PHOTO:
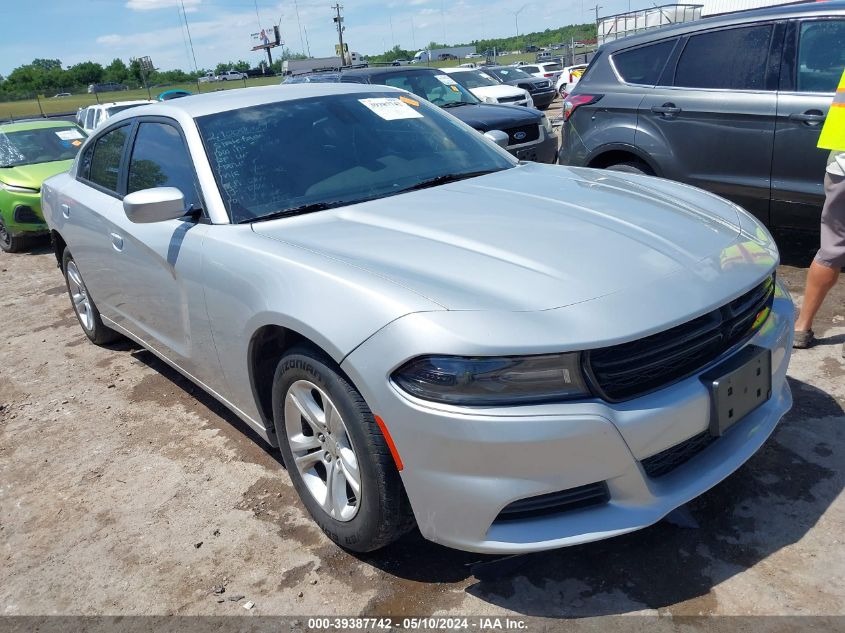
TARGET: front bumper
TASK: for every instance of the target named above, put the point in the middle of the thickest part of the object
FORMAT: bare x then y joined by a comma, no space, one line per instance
463,466
21,213
543,98
543,150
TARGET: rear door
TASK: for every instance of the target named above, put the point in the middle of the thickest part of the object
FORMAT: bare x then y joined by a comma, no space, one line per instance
814,57
710,121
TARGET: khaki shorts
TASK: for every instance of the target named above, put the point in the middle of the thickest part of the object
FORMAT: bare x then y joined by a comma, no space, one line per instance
832,251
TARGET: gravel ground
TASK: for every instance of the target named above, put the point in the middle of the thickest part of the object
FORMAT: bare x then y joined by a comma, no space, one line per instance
124,490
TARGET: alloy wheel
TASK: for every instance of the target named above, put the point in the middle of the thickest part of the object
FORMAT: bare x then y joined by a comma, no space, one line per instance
322,450
79,296
5,238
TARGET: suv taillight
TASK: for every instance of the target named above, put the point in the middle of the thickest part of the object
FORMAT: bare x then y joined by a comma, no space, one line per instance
573,102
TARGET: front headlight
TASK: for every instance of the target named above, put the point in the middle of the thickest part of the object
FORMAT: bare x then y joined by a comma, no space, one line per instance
493,380
16,189
547,125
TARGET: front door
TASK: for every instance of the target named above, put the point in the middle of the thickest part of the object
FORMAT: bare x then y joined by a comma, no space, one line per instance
814,58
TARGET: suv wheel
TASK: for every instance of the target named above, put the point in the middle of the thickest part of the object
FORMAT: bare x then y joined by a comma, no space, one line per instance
632,167
336,456
83,305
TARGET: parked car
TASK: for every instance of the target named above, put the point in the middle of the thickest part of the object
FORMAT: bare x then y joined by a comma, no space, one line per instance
95,115
525,133
231,75
400,62
541,90
107,87
732,104
60,95
427,328
444,57
546,70
568,78
30,152
208,77
489,89
543,57
473,56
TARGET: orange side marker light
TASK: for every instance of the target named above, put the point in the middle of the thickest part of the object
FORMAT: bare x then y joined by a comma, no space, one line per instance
390,444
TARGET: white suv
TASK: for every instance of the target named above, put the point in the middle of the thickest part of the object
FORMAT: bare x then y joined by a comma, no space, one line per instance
92,116
231,75
488,89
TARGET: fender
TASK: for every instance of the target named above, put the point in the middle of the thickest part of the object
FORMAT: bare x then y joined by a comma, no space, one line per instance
627,148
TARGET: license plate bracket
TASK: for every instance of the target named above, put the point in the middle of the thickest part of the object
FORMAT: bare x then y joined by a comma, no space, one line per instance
738,386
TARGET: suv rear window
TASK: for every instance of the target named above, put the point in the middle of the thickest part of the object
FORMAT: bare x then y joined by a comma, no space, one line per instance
643,65
731,58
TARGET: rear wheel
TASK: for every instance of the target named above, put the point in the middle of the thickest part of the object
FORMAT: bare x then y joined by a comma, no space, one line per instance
83,305
10,243
336,456
632,167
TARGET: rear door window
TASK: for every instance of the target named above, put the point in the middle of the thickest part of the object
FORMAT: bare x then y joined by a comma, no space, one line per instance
643,65
105,162
821,55
733,59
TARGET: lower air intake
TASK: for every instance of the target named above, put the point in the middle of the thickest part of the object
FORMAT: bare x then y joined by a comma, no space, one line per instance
556,502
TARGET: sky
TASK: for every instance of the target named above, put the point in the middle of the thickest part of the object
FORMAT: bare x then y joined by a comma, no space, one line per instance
100,30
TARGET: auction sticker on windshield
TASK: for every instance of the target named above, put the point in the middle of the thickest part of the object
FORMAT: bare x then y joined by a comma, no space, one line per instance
69,135
391,109
446,79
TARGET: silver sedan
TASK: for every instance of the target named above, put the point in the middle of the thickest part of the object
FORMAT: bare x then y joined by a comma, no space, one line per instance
513,357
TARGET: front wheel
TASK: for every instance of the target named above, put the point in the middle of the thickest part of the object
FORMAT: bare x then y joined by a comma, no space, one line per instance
10,243
632,167
336,456
83,305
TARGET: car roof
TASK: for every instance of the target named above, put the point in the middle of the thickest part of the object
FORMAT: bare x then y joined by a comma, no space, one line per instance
807,9
226,100
390,69
33,124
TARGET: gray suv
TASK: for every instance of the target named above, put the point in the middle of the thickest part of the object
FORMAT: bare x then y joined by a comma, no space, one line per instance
732,104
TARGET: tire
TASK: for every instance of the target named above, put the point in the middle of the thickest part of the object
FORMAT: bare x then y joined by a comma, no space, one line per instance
632,167
351,446
83,305
11,243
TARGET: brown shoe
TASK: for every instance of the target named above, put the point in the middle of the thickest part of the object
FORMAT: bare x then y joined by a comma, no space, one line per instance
803,339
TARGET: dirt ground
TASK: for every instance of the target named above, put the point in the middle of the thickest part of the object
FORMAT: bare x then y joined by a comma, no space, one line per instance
124,490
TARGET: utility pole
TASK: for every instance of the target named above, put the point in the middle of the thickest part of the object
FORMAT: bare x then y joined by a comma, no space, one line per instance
596,9
339,21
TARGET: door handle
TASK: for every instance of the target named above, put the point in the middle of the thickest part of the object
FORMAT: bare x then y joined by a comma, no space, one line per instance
66,211
812,118
117,241
667,109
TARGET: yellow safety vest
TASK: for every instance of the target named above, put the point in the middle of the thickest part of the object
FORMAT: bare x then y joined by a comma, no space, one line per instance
833,132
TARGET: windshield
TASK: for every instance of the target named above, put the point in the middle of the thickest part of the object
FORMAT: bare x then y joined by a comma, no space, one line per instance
441,90
309,154
39,145
507,74
474,79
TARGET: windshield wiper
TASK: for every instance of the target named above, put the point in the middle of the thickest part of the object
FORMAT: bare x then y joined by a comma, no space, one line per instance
446,178
455,104
300,210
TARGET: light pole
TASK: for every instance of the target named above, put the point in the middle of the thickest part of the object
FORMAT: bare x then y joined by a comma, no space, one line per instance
516,17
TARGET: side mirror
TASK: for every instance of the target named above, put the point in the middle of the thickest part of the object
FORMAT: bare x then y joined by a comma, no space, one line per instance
498,137
154,205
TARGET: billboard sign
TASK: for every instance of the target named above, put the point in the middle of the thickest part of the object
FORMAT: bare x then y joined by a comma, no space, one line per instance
265,38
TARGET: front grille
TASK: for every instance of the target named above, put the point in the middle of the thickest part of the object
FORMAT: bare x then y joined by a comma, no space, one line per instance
530,132
542,85
666,461
26,215
631,369
511,99
556,502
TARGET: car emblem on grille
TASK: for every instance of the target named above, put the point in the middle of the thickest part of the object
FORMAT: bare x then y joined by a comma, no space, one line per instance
520,135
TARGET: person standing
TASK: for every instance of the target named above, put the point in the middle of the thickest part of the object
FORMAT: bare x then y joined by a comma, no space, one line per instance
830,258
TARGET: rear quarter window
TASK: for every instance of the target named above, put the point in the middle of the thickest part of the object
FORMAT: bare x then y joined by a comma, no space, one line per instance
732,59
644,64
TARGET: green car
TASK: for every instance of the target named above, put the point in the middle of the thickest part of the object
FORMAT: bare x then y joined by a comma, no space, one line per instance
30,152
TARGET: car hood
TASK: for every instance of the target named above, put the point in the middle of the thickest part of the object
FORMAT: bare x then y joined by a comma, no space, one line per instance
486,117
31,176
529,238
497,92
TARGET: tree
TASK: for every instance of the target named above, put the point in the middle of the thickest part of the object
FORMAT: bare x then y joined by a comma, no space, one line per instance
47,64
85,73
116,72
